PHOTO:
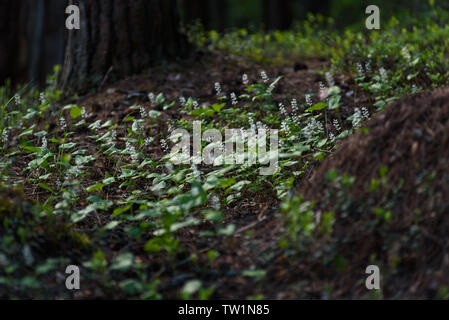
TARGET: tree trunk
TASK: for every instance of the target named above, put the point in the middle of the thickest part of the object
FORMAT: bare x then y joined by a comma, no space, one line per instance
31,39
10,31
118,38
219,15
318,7
194,10
277,14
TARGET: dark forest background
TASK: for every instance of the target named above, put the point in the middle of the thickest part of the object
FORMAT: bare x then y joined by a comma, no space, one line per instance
32,32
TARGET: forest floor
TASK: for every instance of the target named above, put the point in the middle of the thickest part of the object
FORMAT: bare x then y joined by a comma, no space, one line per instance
362,177
402,138
257,227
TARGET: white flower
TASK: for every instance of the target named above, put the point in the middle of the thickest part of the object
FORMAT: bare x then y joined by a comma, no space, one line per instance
295,105
282,109
42,98
336,125
195,104
264,76
143,112
152,97
360,70
260,125
285,128
368,66
357,118
322,87
62,123
182,100
330,79
245,80
234,99
164,145
383,74
130,149
84,113
17,99
309,100
313,128
365,113
44,142
5,135
406,54
218,88
215,202
148,141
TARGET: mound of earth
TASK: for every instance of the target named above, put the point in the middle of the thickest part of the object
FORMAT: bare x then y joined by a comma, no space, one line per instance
387,191
35,248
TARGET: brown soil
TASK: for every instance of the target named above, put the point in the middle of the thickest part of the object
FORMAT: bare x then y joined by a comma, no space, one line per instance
411,140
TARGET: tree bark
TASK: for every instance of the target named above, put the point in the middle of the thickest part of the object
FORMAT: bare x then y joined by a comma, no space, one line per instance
219,15
318,7
10,29
31,39
194,10
277,14
119,38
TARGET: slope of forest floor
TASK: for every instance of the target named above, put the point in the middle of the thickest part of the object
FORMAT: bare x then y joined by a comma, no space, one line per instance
361,178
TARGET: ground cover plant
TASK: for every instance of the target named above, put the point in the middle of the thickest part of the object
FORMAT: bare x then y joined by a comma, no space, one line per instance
87,179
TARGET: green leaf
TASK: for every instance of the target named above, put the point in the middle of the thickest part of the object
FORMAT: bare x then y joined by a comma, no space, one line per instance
254,273
40,134
380,105
120,210
160,99
96,187
108,181
239,185
69,145
154,114
334,102
317,107
75,112
111,225
333,91
190,288
26,132
107,124
80,160
203,113
228,230
46,187
188,223
217,107
123,261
